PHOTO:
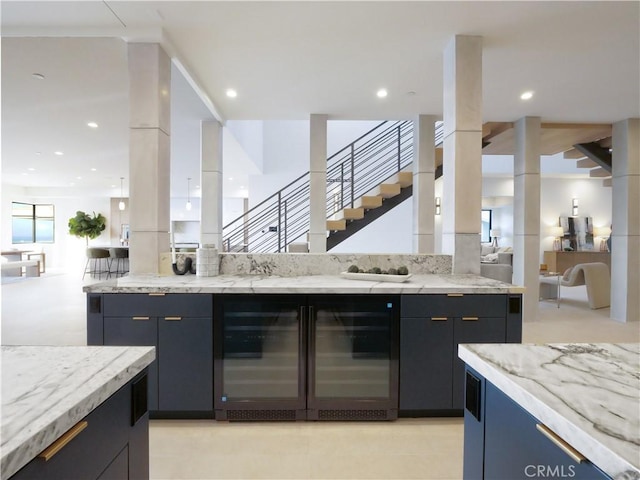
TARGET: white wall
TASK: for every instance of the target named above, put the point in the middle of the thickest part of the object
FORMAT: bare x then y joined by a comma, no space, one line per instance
249,134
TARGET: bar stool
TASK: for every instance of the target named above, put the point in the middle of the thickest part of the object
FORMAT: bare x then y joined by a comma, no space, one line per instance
100,258
121,256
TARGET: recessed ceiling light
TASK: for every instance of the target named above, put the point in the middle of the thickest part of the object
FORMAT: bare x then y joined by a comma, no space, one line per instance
59,153
79,178
113,186
381,93
526,95
93,169
31,169
92,125
38,76
38,153
411,93
231,93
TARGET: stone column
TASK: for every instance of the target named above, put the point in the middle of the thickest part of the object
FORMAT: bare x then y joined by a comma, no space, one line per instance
625,248
149,167
211,184
462,163
526,213
424,154
318,184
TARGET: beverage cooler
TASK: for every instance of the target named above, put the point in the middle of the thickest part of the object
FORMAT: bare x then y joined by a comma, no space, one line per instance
319,357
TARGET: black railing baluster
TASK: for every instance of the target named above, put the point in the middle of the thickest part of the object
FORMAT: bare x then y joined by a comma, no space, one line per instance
399,139
285,224
352,173
279,220
341,186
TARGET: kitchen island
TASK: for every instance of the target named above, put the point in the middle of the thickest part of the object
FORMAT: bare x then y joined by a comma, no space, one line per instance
97,395
552,411
304,347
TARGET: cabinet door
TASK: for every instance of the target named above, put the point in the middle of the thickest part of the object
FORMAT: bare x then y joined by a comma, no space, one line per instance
426,349
515,449
185,363
136,331
470,329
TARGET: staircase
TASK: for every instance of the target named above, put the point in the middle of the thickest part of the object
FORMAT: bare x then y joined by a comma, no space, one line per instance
595,156
365,179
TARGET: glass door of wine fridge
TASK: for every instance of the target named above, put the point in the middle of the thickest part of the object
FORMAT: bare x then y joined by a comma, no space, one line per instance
260,358
353,357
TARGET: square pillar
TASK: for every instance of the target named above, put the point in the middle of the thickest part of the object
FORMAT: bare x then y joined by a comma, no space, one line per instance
625,247
526,213
462,163
424,155
318,184
211,184
149,155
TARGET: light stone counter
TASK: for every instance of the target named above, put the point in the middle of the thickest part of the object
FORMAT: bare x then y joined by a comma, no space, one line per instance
589,394
331,284
47,390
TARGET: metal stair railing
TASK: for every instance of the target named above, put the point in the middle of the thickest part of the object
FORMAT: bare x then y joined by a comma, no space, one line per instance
353,171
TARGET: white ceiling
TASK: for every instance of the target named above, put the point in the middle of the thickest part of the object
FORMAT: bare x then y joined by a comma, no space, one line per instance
288,60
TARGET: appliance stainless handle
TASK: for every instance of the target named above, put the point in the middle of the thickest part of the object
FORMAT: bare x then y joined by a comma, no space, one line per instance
439,319
559,442
469,319
64,439
173,318
140,318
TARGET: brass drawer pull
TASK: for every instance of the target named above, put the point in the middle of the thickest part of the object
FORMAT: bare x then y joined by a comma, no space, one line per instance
455,294
158,294
560,443
469,318
438,319
173,318
48,453
140,318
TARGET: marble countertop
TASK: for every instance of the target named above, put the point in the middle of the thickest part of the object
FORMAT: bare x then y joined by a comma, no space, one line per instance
421,284
589,394
47,390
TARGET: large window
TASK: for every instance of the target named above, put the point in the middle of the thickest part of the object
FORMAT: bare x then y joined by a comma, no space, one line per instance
486,226
32,223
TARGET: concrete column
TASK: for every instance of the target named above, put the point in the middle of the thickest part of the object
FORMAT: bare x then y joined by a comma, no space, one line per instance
211,184
149,167
318,184
625,248
526,213
462,163
424,155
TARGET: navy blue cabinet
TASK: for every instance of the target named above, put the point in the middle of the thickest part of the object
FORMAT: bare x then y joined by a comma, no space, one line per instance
180,326
109,443
506,442
431,327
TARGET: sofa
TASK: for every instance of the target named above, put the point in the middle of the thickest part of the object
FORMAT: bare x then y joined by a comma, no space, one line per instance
496,263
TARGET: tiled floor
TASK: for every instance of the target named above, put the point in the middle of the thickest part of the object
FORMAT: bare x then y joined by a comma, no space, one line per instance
51,310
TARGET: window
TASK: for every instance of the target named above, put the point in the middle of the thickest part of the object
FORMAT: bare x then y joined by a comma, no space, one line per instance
486,226
32,223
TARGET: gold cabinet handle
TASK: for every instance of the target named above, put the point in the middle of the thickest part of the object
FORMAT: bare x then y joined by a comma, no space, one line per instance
560,443
439,319
173,318
455,294
49,452
157,294
140,318
469,319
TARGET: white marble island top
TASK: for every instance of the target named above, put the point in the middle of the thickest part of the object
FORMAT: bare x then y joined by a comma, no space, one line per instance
46,390
588,394
420,284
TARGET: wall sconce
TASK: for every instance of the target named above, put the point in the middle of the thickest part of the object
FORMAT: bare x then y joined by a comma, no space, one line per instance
557,233
188,197
494,233
438,208
121,205
574,207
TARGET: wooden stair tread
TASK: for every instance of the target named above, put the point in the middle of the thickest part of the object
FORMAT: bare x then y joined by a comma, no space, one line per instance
387,190
368,202
336,225
599,172
404,179
350,214
573,154
586,163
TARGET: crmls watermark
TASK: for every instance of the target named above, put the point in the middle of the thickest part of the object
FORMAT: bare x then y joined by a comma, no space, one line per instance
550,471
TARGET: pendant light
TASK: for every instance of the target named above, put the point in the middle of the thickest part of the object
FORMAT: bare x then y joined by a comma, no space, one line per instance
188,197
121,205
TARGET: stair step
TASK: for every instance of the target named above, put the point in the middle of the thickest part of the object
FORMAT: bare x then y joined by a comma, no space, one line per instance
607,182
333,225
606,142
368,202
404,179
573,154
387,190
599,172
350,214
586,163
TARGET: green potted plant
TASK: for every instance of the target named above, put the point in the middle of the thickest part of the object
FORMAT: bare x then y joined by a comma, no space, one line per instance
87,226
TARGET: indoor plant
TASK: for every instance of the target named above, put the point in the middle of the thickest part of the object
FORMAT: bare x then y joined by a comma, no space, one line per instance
85,225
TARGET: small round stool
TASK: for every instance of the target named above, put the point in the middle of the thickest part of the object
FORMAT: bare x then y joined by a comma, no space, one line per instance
100,265
121,256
